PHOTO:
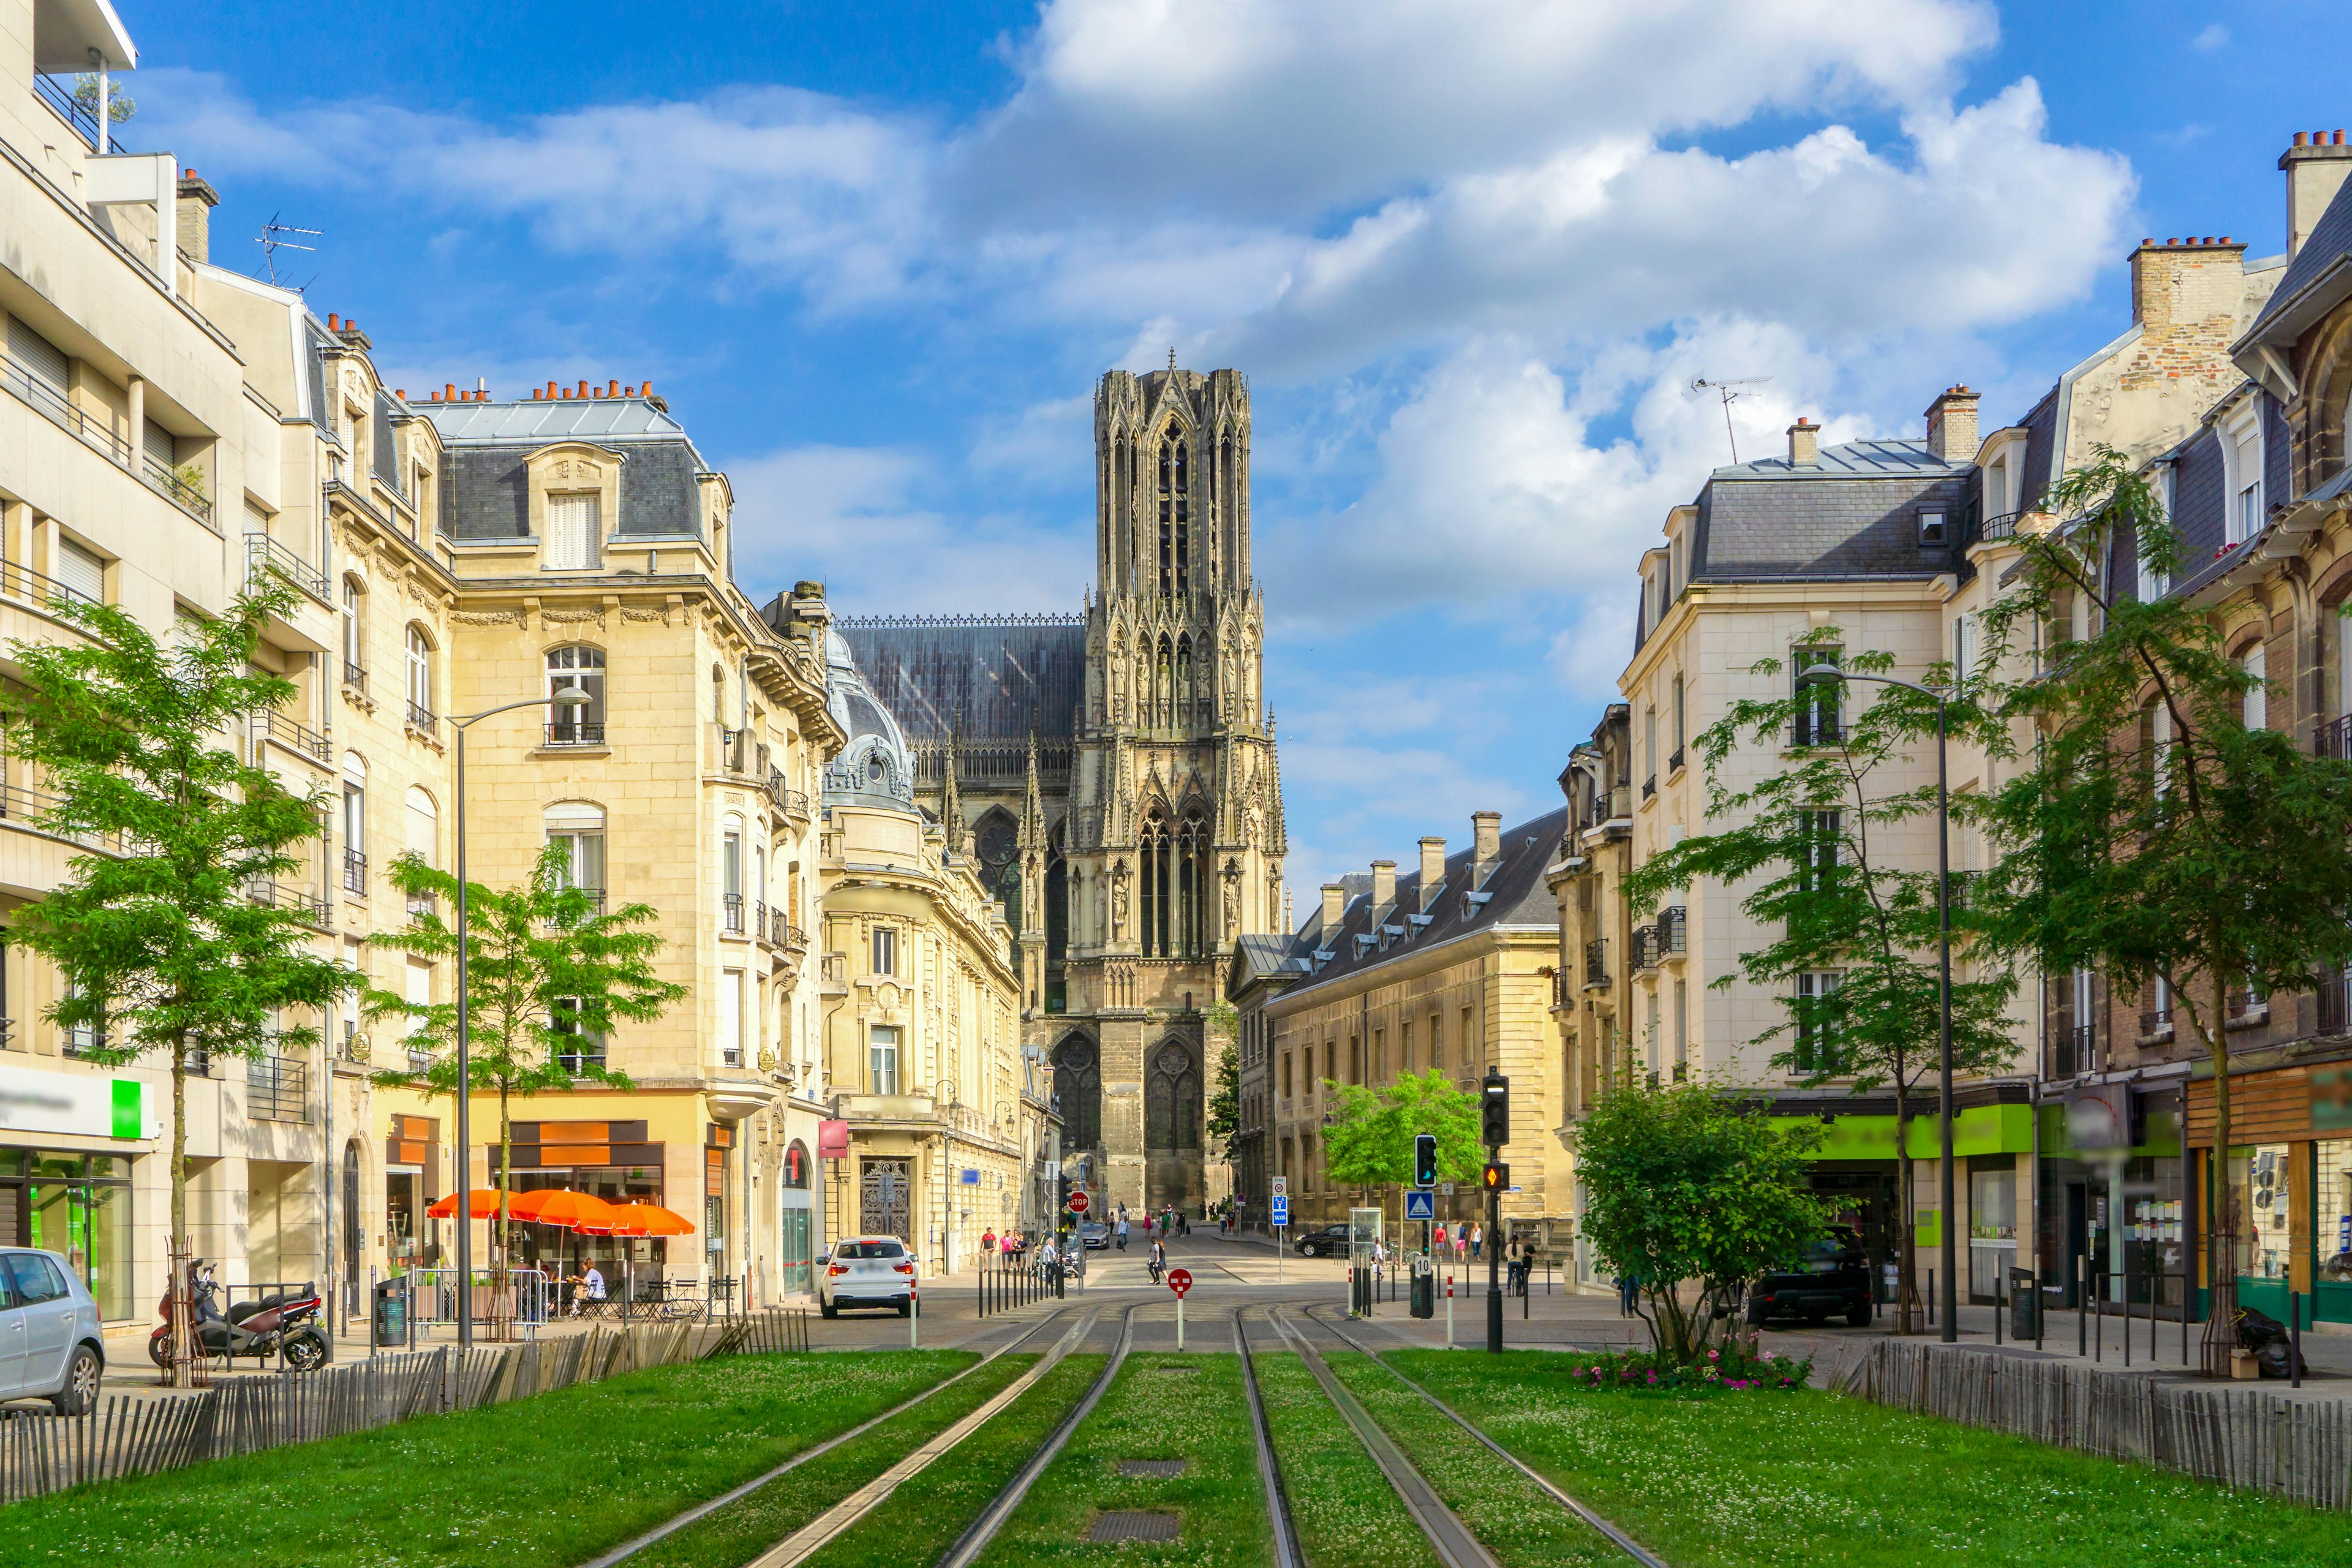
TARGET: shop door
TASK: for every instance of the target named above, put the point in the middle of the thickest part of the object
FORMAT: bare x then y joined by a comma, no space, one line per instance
882,1200
795,1239
2078,1238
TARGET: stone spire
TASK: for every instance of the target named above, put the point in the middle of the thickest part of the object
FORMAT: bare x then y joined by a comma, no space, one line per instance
1033,806
950,808
1277,838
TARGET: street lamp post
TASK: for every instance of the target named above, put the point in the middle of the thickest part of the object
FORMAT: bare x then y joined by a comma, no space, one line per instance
569,697
1947,1288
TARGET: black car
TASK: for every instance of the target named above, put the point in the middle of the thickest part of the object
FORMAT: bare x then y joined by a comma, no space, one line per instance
1833,1276
1325,1243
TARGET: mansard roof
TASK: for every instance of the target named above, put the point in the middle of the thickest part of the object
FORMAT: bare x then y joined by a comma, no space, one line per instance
2315,282
1853,514
976,679
1512,895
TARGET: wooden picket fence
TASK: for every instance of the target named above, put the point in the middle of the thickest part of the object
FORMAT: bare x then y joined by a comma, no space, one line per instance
2242,1438
126,1436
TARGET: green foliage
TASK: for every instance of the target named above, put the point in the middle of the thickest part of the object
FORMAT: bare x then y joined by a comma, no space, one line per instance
1686,1186
1733,1368
167,930
547,975
118,106
1224,1113
1369,1143
2153,834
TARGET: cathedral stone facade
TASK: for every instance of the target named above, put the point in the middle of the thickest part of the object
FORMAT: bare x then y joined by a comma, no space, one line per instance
1114,775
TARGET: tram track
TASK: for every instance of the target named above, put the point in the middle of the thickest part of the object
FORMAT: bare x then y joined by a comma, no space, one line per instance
1287,1553
702,1510
1616,1536
967,1547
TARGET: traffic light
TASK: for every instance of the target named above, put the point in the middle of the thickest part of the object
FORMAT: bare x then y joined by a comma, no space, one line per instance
1495,1178
1424,1160
1495,1111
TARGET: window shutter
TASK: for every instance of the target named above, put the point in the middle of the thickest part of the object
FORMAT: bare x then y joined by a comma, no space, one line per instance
40,359
572,528
157,441
82,571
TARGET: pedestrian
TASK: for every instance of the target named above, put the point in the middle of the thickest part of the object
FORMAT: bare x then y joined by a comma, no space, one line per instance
1121,1230
1629,1286
1477,1242
1158,1262
591,1287
1439,1241
988,1246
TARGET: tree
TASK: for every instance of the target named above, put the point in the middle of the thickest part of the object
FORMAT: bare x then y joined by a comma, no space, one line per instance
1683,1185
2157,835
1369,1143
169,932
548,976
1225,1092
1849,913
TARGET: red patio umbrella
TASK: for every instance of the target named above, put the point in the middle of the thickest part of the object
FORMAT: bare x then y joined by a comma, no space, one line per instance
482,1202
556,1205
643,1219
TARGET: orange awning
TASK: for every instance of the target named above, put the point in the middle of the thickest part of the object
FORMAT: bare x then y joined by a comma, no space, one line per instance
643,1219
555,1206
482,1202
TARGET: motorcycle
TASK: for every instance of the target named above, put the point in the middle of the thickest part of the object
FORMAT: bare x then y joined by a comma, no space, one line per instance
284,1321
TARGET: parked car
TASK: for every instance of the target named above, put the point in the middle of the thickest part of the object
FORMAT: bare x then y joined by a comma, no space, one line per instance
866,1271
50,1345
1096,1235
1832,1277
1331,1240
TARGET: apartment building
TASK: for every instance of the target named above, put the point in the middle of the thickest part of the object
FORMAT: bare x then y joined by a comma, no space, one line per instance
1893,546
941,1118
1448,967
173,429
1592,977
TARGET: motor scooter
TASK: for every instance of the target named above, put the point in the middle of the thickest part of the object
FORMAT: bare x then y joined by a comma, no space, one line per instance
284,1320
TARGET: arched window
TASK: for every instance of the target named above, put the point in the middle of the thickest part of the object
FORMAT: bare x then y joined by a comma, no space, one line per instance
579,828
1175,514
796,1164
577,668
420,676
423,826
1077,1091
1171,1098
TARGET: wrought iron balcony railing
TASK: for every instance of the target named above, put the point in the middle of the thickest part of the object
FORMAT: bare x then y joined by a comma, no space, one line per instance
1596,962
1674,926
263,554
576,732
420,717
292,733
354,871
277,1088
731,911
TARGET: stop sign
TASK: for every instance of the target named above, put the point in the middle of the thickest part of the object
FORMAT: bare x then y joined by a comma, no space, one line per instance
1077,1203
1180,1280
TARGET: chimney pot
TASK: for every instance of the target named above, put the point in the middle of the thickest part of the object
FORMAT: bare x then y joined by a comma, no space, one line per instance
613,390
401,392
1804,447
1485,844
330,321
583,389
450,390
647,390
2303,138
1433,871
1335,904
1952,425
1384,884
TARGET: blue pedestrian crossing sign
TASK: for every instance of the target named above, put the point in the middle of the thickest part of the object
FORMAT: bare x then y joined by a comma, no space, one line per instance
1420,1206
1281,1209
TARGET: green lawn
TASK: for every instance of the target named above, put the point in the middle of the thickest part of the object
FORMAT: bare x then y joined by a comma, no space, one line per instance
923,1518
1521,1526
1346,1513
745,1528
1153,1411
540,1483
1732,1480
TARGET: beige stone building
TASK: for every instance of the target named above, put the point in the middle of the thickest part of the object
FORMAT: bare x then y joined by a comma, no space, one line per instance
944,1115
1449,967
173,429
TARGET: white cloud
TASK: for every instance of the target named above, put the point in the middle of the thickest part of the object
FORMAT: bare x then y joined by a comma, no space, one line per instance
2214,37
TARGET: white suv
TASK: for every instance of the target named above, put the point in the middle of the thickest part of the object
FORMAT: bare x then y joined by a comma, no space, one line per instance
50,1344
866,1271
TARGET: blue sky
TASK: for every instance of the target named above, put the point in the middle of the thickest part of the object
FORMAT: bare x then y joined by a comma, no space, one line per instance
1470,254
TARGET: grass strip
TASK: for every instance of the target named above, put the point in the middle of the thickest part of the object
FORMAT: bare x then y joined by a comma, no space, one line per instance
1521,1526
539,1483
1156,1410
923,1519
1346,1513
1810,1478
742,1529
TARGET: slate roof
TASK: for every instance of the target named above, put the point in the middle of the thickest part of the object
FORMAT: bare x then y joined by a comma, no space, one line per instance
535,422
1514,895
486,495
1854,514
2320,274
987,677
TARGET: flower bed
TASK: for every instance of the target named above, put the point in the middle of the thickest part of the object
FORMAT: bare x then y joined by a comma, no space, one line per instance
1731,1370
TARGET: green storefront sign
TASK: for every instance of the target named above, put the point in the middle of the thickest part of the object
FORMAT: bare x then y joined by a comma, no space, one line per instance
1980,1130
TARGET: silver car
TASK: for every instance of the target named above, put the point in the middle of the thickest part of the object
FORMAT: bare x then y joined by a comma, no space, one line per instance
866,1271
50,1344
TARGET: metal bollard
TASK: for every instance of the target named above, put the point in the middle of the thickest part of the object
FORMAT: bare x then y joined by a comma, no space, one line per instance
2294,1339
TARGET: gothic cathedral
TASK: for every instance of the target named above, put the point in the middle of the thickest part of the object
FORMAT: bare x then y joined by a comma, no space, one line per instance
1114,773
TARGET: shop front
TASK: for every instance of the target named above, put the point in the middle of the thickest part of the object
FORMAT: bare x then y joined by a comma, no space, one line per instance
2114,1214
795,1221
2279,1210
70,1142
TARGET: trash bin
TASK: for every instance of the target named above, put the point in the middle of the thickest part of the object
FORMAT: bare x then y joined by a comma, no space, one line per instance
1424,1293
390,1315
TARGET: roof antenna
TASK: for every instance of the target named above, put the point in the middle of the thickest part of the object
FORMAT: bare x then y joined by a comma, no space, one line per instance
1724,389
271,241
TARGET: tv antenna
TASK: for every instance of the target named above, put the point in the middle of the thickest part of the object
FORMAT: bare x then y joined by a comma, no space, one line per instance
1726,390
272,239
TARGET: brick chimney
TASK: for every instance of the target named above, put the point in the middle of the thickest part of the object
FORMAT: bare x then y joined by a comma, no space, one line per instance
1804,444
1485,845
197,199
2187,285
2315,167
1952,424
1433,871
1335,904
1384,884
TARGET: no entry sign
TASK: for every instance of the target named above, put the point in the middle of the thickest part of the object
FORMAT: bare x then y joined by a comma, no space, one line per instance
1180,1280
1077,1203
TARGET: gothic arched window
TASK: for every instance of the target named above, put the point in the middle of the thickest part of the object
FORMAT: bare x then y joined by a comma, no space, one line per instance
1077,1091
1171,1098
1175,514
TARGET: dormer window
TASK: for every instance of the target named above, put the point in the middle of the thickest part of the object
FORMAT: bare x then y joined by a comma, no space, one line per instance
575,532
2241,455
1931,527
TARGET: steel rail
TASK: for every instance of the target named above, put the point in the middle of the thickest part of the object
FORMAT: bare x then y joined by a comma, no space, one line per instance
700,1510
1625,1543
1286,1554
968,1546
